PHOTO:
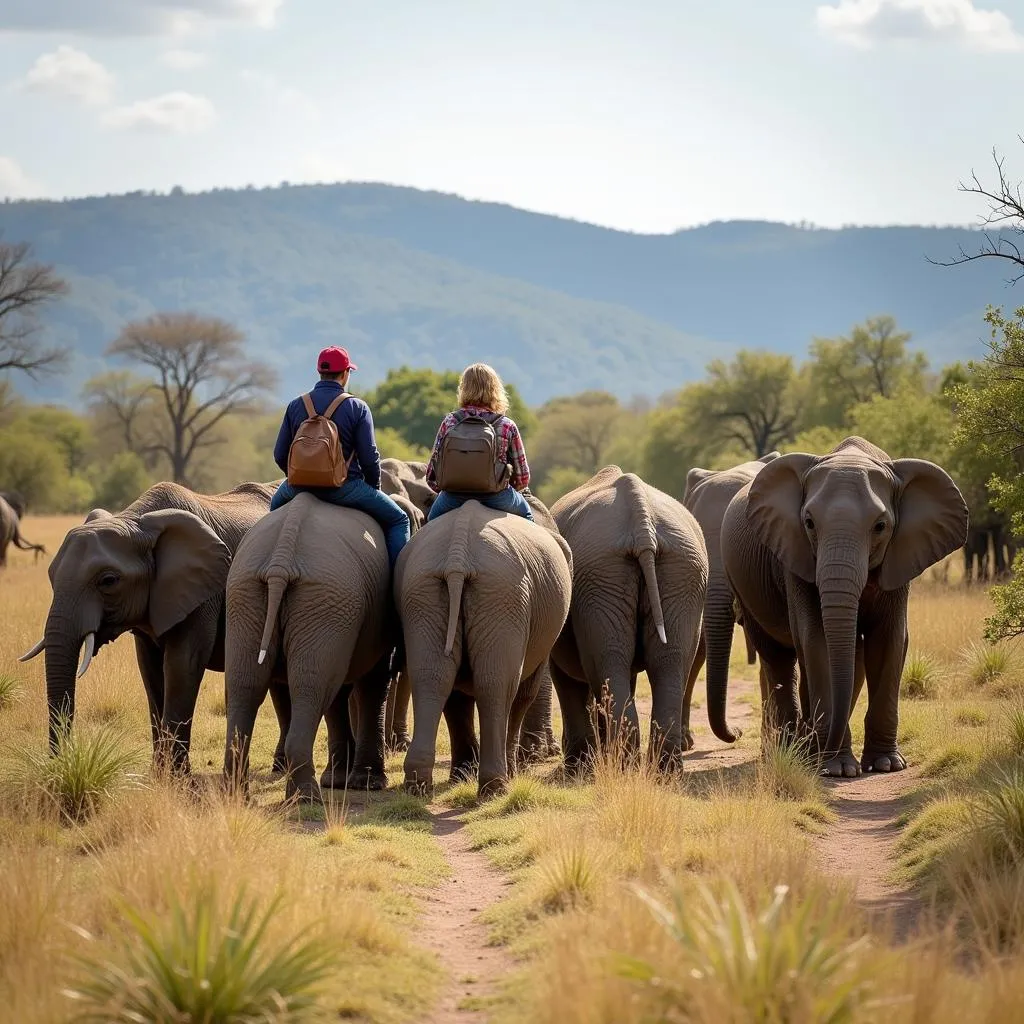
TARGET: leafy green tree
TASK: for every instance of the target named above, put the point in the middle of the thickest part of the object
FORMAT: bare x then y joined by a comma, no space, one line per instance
816,440
910,424
673,445
392,445
575,432
560,481
845,371
990,408
121,481
69,432
31,465
751,404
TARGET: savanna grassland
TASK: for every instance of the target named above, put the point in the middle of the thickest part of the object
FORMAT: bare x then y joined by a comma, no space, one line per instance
747,889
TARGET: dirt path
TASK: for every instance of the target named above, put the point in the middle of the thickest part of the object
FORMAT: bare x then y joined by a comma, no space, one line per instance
452,929
861,844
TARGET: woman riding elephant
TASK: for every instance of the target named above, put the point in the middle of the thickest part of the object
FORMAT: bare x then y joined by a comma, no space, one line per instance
482,596
640,573
156,569
307,606
820,551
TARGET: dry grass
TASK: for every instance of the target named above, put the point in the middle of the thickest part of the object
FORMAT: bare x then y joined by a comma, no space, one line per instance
635,897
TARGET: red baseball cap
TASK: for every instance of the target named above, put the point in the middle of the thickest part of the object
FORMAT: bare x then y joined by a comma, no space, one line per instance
334,360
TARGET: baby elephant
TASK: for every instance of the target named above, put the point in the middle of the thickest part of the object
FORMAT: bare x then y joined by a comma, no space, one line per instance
482,596
307,599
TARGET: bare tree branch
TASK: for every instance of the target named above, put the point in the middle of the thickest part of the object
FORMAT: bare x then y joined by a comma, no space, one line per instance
25,287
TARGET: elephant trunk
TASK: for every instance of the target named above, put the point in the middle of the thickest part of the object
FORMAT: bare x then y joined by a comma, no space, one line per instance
719,624
63,641
841,577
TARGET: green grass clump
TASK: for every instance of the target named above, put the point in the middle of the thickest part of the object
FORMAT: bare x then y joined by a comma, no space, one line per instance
919,680
785,770
8,691
986,663
999,813
399,809
1015,729
85,771
791,961
194,964
569,879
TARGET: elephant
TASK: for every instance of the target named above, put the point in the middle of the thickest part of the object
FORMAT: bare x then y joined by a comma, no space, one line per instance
157,569
482,596
10,533
820,551
307,606
640,576
17,501
408,479
707,495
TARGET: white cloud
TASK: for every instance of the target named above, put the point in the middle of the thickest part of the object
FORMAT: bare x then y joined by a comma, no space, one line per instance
866,22
15,183
70,72
178,113
183,60
132,17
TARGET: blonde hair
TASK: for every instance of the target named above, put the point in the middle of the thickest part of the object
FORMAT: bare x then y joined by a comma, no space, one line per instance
480,385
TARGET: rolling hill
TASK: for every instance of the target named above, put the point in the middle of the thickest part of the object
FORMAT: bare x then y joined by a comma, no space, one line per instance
404,276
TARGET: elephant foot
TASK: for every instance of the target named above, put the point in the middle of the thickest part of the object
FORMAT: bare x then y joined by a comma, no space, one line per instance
277,766
877,759
687,742
399,742
843,766
373,779
419,787
671,761
305,792
490,788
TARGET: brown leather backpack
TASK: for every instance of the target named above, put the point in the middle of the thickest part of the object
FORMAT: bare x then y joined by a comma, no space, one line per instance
467,462
315,458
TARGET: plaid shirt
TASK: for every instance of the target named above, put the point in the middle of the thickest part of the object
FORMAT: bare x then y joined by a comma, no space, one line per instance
510,448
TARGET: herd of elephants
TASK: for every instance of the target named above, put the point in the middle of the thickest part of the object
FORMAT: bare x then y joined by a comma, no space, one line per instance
486,612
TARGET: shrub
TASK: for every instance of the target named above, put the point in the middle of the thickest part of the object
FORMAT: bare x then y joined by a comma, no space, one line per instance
83,773
986,663
918,682
192,964
999,813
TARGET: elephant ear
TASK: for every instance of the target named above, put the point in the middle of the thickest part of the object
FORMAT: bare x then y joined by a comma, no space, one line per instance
694,479
191,565
931,522
775,498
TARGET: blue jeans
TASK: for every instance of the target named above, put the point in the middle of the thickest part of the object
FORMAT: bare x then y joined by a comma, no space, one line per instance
508,500
358,494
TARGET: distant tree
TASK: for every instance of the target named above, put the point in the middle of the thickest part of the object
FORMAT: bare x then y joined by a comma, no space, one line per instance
845,371
25,288
575,433
202,375
1005,204
121,481
69,432
123,404
752,403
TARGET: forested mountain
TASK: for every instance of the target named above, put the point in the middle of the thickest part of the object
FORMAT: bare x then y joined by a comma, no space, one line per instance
403,276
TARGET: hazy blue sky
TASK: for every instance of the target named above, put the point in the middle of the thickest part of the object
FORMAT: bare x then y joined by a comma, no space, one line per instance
647,115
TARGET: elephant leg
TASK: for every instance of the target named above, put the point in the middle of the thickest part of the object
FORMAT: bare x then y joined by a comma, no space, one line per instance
666,665
537,740
185,659
341,743
698,663
524,699
432,679
779,709
459,712
151,668
244,697
282,701
371,696
885,653
579,737
396,724
494,701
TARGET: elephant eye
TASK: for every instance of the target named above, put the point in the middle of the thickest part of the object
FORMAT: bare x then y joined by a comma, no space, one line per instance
809,523
880,526
108,579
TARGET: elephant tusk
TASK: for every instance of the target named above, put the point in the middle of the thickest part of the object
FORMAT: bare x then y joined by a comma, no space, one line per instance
661,634
90,648
35,652
259,660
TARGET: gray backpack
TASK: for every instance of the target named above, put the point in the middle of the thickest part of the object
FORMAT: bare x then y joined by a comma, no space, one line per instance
467,462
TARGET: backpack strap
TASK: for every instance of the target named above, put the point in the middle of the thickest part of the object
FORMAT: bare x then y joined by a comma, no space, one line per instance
336,404
307,401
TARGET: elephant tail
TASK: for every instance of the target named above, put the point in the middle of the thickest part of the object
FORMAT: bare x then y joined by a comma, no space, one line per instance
456,581
279,570
645,545
276,586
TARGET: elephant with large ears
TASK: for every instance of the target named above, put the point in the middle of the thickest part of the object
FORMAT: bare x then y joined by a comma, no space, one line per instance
707,495
482,596
820,551
307,605
640,574
158,570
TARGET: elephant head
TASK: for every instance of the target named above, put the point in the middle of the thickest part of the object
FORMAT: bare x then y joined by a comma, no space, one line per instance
848,520
113,574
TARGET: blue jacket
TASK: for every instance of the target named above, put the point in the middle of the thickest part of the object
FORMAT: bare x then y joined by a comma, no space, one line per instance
355,429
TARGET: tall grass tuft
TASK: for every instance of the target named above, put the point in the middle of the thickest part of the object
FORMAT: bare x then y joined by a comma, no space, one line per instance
8,691
999,813
195,964
786,769
1015,729
788,962
569,879
986,663
84,772
919,677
